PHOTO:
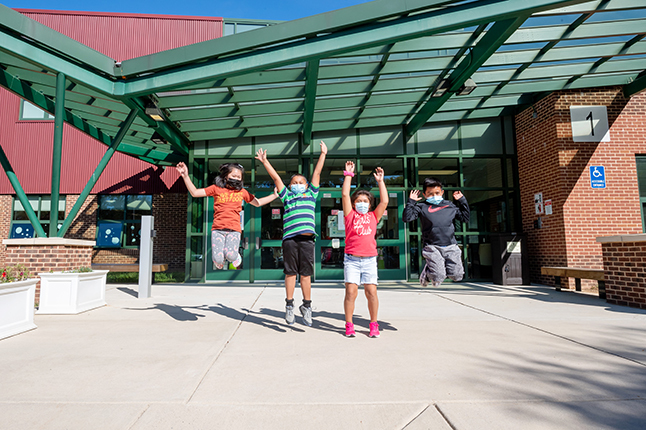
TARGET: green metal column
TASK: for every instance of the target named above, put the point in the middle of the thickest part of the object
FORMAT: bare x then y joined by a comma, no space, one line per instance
97,172
56,156
13,179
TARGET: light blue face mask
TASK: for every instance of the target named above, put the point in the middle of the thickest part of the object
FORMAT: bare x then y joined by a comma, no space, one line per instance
362,207
298,188
435,200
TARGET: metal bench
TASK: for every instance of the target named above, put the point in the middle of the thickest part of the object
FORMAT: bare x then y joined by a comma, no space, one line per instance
577,273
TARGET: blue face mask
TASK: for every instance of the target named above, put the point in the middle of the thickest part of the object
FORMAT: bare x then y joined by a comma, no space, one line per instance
298,188
435,200
362,207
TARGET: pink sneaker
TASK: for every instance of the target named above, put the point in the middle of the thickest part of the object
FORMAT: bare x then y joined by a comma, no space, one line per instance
218,266
374,329
349,330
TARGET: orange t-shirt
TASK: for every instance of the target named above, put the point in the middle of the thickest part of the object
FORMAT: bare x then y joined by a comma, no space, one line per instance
227,205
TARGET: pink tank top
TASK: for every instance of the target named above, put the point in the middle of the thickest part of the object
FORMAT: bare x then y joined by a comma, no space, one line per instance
360,232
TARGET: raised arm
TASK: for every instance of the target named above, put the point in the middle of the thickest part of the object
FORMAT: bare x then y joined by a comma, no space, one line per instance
345,191
316,176
464,213
412,209
183,171
383,193
262,157
257,202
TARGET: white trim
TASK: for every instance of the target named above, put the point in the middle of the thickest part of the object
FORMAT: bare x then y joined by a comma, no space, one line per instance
48,241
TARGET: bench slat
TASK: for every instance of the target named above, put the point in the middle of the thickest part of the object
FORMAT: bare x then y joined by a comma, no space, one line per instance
574,272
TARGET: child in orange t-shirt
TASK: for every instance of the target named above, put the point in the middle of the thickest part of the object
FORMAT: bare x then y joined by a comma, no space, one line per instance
228,194
360,261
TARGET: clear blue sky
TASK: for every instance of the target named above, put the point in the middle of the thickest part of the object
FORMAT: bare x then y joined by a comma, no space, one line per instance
284,10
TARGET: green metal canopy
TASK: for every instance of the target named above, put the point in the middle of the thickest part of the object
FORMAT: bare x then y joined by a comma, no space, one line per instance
383,63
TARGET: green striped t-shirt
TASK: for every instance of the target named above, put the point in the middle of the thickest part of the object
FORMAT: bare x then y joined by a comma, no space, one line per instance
298,217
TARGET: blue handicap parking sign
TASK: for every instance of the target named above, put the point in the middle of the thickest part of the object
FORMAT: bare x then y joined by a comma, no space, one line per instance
597,177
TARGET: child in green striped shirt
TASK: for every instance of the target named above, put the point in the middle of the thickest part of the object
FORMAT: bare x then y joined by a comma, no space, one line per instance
299,232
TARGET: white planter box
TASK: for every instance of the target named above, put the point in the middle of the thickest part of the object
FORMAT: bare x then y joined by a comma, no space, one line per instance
71,293
17,307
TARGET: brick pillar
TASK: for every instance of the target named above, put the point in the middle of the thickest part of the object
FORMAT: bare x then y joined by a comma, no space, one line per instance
624,265
48,254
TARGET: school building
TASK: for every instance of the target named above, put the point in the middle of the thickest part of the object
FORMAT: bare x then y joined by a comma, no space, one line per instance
536,111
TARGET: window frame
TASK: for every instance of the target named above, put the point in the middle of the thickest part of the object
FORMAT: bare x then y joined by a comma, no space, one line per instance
125,221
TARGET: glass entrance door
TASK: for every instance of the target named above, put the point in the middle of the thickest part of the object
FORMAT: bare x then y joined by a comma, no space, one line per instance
229,272
330,244
268,241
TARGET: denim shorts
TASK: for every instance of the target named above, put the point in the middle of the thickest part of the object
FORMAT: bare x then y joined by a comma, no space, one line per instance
360,270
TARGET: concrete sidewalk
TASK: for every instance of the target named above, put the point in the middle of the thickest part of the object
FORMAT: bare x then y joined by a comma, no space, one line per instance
468,356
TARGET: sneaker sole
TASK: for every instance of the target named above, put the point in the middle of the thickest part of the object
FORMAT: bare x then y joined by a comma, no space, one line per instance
374,336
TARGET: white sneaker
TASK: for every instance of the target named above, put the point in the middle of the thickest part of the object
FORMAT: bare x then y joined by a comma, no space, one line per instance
238,261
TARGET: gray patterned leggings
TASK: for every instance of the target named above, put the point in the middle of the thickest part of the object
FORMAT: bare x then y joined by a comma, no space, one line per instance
224,244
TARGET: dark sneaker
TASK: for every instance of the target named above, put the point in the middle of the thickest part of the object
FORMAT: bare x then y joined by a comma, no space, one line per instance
289,315
307,315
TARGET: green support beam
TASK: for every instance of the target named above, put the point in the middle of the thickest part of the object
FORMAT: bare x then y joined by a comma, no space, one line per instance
59,114
379,34
638,85
20,193
97,173
488,44
146,153
311,84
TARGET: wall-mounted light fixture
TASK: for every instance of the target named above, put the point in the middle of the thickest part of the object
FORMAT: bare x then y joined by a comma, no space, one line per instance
467,88
534,113
441,88
154,112
158,139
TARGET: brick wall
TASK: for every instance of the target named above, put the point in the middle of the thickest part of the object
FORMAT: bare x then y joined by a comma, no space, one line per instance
170,212
5,223
84,225
549,161
625,273
43,258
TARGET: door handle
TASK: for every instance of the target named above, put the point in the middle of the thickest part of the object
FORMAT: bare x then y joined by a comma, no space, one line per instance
258,242
245,243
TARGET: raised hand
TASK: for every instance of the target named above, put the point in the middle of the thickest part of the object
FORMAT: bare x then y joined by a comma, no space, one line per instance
349,166
323,148
379,174
415,195
182,169
261,155
457,195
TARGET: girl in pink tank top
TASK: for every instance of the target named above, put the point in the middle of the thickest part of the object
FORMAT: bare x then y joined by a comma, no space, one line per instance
360,262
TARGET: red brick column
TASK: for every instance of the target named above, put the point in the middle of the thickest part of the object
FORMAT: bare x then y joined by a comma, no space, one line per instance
624,264
48,254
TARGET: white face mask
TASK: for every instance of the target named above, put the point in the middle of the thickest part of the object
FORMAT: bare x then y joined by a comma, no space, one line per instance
298,188
435,200
362,207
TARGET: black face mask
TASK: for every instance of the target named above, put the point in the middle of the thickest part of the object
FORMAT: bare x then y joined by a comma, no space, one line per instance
234,184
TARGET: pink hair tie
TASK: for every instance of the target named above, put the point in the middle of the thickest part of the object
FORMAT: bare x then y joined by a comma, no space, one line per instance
346,173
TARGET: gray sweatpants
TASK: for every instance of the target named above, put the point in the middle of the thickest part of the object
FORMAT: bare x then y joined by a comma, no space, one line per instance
224,244
442,261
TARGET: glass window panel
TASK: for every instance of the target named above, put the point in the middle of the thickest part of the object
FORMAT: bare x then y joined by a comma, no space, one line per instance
272,221
21,231
511,175
112,207
414,257
132,235
512,222
30,111
332,174
388,141
281,145
109,235
388,225
482,172
272,258
331,218
388,257
481,137
488,211
509,136
393,171
332,258
438,139
444,170
229,29
197,257
19,213
137,206
337,144
240,28
641,175
284,167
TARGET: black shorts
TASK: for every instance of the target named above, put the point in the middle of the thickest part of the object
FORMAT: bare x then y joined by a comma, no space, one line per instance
298,255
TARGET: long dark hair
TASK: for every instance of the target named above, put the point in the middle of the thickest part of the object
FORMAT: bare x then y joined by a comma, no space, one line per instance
225,170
